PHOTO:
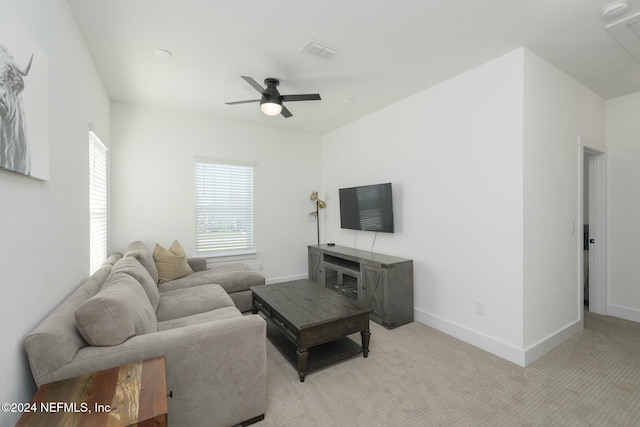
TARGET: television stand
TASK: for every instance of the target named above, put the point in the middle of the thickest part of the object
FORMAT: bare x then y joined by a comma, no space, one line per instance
380,282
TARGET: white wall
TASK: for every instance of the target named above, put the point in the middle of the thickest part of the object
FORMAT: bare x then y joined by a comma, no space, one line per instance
557,112
623,155
485,168
454,156
153,182
44,226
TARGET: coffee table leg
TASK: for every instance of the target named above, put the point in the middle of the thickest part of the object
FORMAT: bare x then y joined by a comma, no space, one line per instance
302,354
366,336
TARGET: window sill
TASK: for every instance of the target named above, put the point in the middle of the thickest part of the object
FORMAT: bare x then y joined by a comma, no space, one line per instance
227,256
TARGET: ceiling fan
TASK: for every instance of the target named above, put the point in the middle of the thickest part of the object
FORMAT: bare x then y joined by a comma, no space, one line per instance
271,101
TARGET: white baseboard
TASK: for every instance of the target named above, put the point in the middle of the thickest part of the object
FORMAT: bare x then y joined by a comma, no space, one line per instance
475,338
547,344
273,280
495,346
625,313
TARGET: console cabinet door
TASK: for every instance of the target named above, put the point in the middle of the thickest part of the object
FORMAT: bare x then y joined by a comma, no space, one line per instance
374,284
316,266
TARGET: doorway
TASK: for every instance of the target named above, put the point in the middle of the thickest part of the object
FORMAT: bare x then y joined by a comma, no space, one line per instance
593,243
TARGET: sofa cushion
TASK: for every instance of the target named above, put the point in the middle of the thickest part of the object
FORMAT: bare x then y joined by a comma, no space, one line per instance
139,251
119,311
186,302
131,266
234,277
172,263
196,319
243,300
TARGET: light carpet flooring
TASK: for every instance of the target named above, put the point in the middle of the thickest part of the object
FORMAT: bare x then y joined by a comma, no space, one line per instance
418,376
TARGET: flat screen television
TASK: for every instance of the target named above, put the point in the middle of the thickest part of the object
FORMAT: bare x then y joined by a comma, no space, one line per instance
368,207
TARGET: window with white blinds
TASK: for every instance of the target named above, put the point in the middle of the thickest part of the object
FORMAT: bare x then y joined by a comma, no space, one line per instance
97,203
224,207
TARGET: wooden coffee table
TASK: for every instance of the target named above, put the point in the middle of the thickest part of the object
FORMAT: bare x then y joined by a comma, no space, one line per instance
309,324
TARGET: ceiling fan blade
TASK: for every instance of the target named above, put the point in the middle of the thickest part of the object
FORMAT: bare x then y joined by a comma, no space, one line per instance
253,83
242,102
307,97
286,113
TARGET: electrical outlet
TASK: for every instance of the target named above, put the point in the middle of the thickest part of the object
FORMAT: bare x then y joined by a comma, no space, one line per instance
480,308
260,266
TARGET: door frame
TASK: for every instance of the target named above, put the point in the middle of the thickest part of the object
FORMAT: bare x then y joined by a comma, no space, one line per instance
597,205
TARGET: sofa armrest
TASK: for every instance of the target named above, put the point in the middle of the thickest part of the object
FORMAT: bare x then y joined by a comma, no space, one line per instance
197,264
216,370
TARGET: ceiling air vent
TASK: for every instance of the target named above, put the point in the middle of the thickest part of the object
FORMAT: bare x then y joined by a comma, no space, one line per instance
627,32
319,49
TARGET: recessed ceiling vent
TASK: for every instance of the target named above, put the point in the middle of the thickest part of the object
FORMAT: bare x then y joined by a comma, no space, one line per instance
627,32
319,49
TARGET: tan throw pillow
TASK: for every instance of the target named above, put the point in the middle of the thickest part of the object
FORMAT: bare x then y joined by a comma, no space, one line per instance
172,263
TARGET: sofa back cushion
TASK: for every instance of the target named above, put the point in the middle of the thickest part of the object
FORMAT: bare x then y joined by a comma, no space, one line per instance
131,266
139,251
56,340
119,311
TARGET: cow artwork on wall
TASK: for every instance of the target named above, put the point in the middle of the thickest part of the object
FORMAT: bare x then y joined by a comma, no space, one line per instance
14,150
24,118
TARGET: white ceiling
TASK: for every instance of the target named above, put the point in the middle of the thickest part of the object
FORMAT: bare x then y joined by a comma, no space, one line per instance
390,49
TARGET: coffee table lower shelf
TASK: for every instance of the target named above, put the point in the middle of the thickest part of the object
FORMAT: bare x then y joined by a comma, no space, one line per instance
319,355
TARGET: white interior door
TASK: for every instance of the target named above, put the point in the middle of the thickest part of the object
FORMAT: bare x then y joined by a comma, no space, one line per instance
596,168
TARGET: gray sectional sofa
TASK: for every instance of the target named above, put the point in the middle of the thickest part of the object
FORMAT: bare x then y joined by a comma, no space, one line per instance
215,356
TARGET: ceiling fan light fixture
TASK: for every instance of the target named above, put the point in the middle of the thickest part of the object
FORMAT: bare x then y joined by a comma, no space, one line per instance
271,108
271,102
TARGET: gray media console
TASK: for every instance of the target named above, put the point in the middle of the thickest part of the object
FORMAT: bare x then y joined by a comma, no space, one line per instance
380,282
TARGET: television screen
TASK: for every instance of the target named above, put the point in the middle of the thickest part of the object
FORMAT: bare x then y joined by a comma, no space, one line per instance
368,208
